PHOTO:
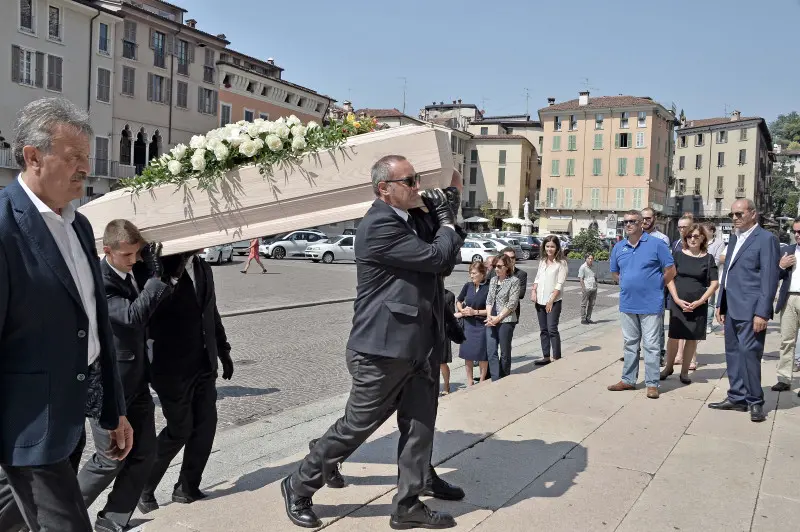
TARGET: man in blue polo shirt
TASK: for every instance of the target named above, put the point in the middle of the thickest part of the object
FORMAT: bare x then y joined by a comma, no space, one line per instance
642,265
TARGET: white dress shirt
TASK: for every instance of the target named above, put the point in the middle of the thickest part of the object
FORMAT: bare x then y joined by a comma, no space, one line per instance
794,286
189,268
77,262
740,240
124,275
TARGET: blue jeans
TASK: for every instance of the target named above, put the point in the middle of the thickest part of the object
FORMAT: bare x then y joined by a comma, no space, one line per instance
499,336
644,328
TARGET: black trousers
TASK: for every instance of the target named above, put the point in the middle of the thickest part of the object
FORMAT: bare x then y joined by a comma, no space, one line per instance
189,405
380,384
548,326
47,496
129,475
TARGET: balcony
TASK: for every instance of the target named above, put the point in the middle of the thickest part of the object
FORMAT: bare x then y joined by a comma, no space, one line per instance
740,192
589,205
719,193
208,74
159,59
111,169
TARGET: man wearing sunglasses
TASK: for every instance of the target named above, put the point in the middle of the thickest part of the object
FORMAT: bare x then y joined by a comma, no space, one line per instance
788,307
750,279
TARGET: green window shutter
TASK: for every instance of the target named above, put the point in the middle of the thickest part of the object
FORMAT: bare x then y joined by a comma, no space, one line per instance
572,143
616,140
554,168
596,167
571,167
658,170
598,141
639,169
556,143
624,166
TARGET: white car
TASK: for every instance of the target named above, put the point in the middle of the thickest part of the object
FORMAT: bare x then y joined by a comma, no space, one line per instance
217,254
501,243
475,250
337,248
292,244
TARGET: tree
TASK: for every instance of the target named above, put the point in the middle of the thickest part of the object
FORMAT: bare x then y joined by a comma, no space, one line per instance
794,145
786,129
588,241
682,116
488,211
782,190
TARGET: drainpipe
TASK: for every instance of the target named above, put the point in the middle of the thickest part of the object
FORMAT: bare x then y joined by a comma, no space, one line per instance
91,41
171,82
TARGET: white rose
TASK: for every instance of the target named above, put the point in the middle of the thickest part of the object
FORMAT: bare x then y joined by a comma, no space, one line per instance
199,160
174,167
198,142
179,151
265,126
280,120
215,134
221,151
253,130
274,143
298,131
298,143
312,125
248,148
293,121
236,138
282,131
241,123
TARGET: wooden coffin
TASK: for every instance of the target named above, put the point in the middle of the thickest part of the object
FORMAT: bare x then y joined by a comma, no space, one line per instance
326,187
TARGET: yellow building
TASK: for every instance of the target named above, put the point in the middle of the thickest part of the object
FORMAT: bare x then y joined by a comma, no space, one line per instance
601,157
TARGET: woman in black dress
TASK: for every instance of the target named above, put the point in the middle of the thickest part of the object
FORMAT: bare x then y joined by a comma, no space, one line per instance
471,306
694,284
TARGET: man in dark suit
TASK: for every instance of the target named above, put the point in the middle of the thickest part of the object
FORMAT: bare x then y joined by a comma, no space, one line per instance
133,293
187,339
393,333
57,361
750,279
788,306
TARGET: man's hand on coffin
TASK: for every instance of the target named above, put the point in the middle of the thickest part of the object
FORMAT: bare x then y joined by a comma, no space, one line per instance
227,365
438,204
151,257
454,199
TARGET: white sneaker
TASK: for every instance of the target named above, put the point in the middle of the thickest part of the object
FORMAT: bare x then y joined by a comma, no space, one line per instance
708,329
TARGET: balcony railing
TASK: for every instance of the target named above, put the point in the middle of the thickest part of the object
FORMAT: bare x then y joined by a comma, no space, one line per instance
740,192
111,169
129,49
719,193
587,205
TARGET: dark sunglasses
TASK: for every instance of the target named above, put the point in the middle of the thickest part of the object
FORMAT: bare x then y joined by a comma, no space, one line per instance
737,214
409,181
796,232
694,237
630,222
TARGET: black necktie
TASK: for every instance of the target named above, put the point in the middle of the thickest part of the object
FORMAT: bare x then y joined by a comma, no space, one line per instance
129,282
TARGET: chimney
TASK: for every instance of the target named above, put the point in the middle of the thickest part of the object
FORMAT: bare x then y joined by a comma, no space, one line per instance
454,102
583,98
736,115
271,61
221,36
459,101
191,23
551,101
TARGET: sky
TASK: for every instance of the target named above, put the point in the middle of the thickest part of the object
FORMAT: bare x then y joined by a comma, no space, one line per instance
505,56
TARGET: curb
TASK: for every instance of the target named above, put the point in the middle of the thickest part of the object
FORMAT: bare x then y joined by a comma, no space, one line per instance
259,310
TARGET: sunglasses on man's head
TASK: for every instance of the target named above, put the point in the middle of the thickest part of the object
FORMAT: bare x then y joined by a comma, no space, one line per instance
409,181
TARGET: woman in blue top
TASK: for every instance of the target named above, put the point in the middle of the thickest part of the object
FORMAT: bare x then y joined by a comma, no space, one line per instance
471,305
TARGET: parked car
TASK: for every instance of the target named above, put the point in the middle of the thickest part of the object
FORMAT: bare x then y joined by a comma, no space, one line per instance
501,243
336,248
530,246
474,250
292,244
217,254
242,247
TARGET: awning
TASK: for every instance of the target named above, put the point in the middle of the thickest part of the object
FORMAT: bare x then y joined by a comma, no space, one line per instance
559,225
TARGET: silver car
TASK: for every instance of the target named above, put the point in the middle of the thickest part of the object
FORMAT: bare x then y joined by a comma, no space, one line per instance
337,248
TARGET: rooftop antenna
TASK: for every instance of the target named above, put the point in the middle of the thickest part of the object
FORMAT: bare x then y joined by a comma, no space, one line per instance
726,109
527,101
404,93
484,99
586,85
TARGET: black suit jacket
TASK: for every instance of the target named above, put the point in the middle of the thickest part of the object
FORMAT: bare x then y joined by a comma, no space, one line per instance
165,359
44,339
129,313
399,286
785,277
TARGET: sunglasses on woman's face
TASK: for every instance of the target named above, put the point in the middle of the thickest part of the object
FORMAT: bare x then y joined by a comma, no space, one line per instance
694,237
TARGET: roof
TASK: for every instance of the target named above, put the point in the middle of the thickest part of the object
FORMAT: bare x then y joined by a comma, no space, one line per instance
707,122
253,59
276,80
508,123
793,153
450,105
601,102
382,113
89,3
173,6
167,21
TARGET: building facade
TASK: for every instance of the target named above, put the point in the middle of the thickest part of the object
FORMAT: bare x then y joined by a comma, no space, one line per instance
390,117
720,160
603,156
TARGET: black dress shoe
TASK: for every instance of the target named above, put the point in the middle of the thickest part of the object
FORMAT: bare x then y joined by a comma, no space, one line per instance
781,387
441,489
335,479
420,516
147,504
104,524
728,405
757,414
182,496
299,508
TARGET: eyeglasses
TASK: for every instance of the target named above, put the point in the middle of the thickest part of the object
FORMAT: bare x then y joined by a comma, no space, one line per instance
797,232
738,214
694,237
630,222
409,181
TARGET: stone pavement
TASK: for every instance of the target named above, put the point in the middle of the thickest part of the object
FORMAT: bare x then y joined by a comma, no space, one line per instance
548,448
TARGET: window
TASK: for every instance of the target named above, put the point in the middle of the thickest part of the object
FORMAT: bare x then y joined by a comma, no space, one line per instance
103,42
622,140
183,95
721,159
473,156
263,116
104,85
502,158
26,19
595,198
557,123
552,197
225,114
638,168
640,140
682,141
157,88
208,67
722,137
740,181
682,162
573,123
570,167
207,101
54,23
598,141
742,134
642,122
557,143
622,166
572,142
541,145
484,131
158,44
623,120
473,176
501,199
568,198
249,115
554,168
620,198
720,182
697,186
742,156
54,73
128,80
100,157
699,140
598,121
597,167
638,193
471,200
698,161
26,67
658,171
183,57
501,176
129,40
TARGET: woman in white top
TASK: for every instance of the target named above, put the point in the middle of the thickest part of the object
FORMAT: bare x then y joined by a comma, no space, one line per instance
546,294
